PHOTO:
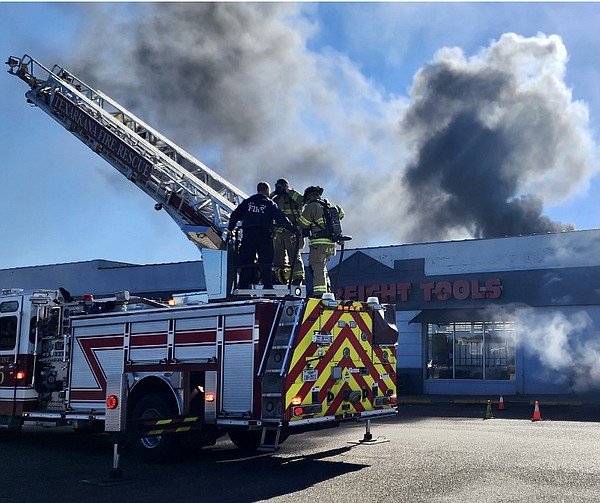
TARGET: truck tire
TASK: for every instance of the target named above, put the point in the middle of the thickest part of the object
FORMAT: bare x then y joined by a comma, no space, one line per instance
153,449
245,440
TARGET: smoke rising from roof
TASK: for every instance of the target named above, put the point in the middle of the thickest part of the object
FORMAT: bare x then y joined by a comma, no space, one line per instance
494,136
480,147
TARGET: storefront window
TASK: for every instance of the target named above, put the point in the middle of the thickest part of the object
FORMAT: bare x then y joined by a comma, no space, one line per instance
468,344
440,360
500,351
471,350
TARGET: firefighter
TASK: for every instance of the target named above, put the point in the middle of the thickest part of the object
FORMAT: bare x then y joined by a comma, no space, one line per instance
287,244
257,214
321,244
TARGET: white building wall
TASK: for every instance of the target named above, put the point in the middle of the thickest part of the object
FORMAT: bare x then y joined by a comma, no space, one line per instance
542,251
410,345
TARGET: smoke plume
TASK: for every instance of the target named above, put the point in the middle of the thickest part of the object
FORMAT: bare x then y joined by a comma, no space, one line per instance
493,137
482,144
560,342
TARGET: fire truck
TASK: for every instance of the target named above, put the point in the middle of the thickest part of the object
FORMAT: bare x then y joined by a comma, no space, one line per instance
257,365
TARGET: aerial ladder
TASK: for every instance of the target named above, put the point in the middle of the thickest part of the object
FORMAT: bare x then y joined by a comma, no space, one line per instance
195,197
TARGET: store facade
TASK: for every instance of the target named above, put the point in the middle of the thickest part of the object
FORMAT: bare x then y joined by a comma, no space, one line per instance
513,315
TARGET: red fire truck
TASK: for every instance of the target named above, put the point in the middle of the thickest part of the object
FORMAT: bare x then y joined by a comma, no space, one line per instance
257,365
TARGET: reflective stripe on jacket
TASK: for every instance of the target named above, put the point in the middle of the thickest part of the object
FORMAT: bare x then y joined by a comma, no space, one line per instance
312,218
290,204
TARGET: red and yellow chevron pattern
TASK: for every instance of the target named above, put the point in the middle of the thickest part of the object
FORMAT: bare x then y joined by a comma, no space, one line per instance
335,369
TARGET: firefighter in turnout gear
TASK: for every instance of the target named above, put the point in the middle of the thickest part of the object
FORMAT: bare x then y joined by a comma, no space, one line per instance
257,214
287,244
321,241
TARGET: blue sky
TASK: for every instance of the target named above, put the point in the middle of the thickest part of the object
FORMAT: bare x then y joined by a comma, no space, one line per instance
333,94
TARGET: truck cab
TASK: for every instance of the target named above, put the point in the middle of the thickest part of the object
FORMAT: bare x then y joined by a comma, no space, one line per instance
21,340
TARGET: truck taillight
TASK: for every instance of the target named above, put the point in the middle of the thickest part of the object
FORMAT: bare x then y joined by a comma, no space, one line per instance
112,402
393,398
304,410
209,396
297,400
20,375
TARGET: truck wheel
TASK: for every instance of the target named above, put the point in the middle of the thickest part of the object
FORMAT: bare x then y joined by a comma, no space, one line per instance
158,448
87,427
245,440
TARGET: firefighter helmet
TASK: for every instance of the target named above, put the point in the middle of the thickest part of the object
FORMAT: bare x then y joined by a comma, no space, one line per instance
312,192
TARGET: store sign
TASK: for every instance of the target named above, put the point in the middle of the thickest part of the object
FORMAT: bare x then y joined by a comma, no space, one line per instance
427,291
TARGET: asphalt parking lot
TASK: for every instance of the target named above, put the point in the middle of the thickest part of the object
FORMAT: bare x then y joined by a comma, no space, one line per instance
550,408
429,452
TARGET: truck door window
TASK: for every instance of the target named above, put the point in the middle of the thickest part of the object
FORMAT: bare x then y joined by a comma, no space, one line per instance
9,307
8,332
8,325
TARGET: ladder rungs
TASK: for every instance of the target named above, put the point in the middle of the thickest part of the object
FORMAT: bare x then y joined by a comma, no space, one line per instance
274,444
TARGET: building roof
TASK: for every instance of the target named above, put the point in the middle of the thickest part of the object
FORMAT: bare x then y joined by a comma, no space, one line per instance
103,277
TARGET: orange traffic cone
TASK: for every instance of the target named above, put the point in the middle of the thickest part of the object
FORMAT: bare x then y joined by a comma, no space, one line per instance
501,403
536,412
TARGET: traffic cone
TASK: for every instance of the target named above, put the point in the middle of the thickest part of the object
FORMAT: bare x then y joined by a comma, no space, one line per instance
488,411
536,412
501,403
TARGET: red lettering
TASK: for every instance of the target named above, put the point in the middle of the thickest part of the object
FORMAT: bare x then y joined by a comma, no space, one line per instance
350,293
461,289
493,289
403,289
443,290
475,293
360,293
388,293
372,291
427,288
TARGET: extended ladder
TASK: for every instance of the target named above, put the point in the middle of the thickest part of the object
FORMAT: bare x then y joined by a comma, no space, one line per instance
198,199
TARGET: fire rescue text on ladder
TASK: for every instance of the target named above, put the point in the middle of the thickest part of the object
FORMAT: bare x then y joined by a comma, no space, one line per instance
255,368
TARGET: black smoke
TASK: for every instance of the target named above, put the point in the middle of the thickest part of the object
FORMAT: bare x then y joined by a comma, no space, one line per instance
492,136
478,149
458,181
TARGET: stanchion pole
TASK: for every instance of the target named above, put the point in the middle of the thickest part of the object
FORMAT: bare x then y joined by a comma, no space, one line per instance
116,473
368,436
